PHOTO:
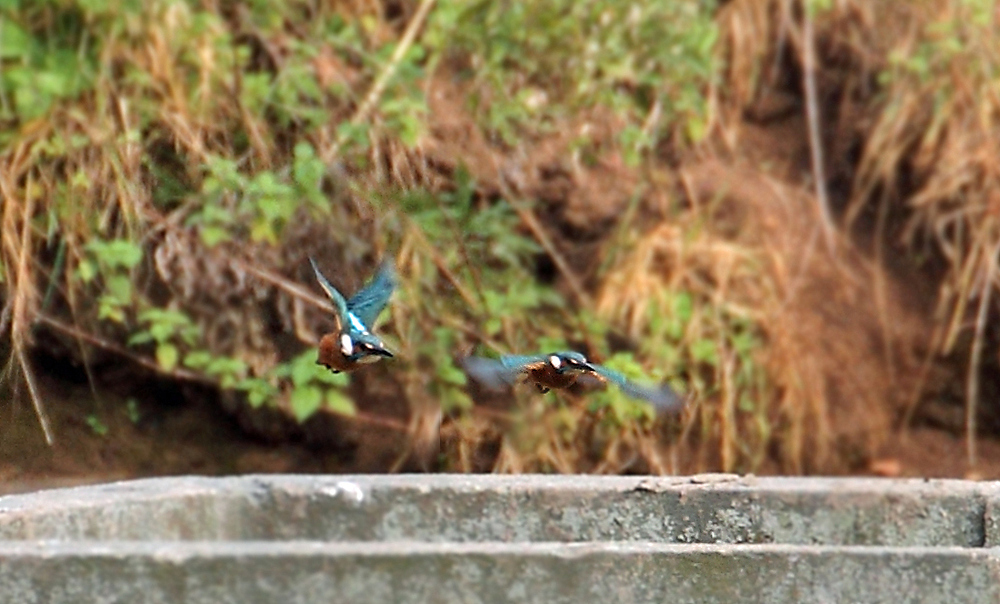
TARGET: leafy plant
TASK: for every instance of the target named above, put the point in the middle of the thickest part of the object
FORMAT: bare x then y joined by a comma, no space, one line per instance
530,63
314,387
264,202
164,327
112,260
47,58
96,425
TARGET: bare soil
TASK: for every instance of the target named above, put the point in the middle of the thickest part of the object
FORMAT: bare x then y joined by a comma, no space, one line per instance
887,415
172,434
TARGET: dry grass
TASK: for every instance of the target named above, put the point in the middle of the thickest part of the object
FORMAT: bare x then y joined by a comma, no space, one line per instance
801,356
930,162
911,86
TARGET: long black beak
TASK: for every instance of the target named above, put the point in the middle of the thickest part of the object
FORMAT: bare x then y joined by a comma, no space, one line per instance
586,367
383,352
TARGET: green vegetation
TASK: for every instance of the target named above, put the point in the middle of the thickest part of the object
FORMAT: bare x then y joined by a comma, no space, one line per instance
167,167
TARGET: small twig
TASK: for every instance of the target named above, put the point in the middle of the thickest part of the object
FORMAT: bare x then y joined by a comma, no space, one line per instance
186,375
29,379
285,285
812,117
19,310
463,250
652,119
921,378
378,87
375,420
972,382
176,373
5,315
57,268
442,266
541,235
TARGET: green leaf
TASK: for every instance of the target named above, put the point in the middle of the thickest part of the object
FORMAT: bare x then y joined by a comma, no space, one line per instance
263,231
307,171
305,402
303,372
139,338
116,253
96,425
338,402
109,308
132,410
197,359
167,356
325,376
258,390
214,235
86,271
356,134
257,397
120,287
683,307
492,326
161,331
225,366
450,374
455,399
548,344
15,41
705,351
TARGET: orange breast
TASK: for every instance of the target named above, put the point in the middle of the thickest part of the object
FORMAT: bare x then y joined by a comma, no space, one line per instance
550,378
330,355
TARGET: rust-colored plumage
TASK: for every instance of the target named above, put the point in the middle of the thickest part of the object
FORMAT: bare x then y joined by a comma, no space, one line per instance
546,377
353,344
559,370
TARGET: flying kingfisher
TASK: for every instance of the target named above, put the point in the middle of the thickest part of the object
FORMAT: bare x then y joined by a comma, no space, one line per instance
559,370
353,343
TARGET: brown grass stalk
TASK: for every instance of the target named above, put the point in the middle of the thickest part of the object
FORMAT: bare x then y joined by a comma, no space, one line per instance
22,297
378,86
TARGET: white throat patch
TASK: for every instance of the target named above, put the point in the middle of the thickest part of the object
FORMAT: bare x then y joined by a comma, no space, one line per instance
346,344
555,361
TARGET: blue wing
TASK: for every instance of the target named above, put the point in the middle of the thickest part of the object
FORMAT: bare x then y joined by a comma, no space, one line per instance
339,304
492,373
368,303
662,397
520,363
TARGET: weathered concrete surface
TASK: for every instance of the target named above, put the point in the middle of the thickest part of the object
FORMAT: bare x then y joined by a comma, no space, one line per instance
309,572
457,538
461,508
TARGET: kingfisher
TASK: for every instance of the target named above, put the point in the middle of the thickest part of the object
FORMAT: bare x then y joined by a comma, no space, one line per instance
560,370
353,343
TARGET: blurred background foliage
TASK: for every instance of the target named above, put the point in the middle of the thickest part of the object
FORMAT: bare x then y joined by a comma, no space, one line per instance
167,167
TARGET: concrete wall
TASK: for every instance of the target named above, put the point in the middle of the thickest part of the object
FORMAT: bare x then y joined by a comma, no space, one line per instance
452,538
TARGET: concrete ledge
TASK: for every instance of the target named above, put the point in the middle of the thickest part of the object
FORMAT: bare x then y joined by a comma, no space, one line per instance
458,508
496,539
402,572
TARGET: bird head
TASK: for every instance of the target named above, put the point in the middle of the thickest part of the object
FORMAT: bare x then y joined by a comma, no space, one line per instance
362,347
569,362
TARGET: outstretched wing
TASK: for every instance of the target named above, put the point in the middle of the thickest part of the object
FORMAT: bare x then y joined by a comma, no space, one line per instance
339,304
492,374
662,397
521,363
372,298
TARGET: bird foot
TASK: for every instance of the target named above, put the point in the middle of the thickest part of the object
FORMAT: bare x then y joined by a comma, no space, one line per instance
322,364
